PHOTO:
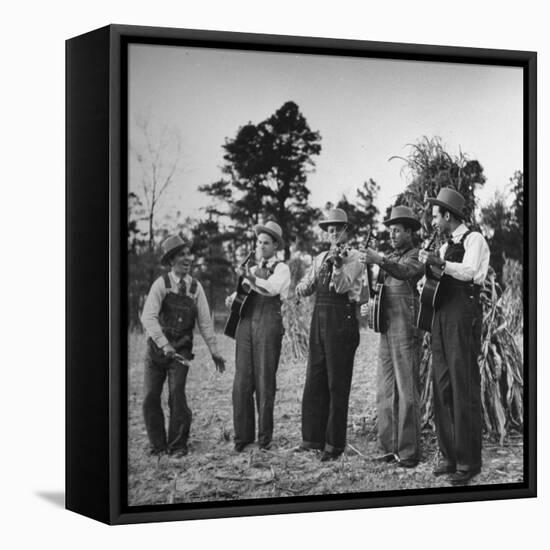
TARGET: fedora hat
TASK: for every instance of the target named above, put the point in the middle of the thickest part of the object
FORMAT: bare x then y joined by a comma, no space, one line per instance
336,216
404,215
170,246
272,229
451,200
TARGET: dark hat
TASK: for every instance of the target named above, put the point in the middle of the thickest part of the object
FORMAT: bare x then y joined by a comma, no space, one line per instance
451,200
171,246
404,215
336,216
272,229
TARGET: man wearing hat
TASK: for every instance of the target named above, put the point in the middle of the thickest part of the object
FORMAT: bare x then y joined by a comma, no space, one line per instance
258,340
175,302
456,338
398,384
336,278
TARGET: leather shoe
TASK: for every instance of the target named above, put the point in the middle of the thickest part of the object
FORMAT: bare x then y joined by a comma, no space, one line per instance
444,468
239,447
461,477
155,451
179,452
302,449
265,446
326,456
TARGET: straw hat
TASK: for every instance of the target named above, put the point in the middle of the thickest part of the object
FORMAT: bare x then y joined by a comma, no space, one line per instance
272,229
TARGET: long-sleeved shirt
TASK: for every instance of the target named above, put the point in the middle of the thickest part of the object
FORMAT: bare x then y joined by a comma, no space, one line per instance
153,304
277,283
347,278
475,263
404,265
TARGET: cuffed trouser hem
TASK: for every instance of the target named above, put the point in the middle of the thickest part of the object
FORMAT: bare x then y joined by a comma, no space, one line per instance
311,445
333,450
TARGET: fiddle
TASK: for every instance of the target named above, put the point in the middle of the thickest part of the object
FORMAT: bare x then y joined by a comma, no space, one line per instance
340,250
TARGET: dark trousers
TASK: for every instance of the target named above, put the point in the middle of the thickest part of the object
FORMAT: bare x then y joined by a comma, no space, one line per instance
398,384
258,348
156,372
333,339
456,340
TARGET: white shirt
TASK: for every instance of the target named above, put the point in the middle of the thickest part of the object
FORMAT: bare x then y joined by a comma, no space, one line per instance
277,283
475,263
153,304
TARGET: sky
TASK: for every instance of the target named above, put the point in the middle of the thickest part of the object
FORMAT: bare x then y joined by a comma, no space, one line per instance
366,110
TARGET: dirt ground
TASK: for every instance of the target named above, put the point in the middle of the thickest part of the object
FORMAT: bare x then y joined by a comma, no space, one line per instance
213,471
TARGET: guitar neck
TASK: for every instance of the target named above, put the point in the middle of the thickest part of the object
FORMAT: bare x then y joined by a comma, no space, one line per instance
367,266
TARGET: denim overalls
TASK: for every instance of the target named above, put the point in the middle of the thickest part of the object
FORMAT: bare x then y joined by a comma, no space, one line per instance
456,340
258,348
177,320
333,339
398,384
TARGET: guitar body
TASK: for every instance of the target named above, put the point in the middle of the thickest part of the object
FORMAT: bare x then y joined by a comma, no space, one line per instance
428,298
238,306
374,314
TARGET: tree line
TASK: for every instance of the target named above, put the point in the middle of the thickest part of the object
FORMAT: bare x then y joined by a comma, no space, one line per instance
264,177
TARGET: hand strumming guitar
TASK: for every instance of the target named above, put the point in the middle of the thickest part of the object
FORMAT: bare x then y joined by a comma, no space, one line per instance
430,258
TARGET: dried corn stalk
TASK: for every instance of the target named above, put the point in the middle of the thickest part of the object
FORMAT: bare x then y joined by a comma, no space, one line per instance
297,319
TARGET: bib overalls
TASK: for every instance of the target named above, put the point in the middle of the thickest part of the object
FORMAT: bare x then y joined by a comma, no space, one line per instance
398,384
456,341
177,319
258,348
333,339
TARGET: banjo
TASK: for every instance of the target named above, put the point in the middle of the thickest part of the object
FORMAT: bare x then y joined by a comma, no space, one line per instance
374,298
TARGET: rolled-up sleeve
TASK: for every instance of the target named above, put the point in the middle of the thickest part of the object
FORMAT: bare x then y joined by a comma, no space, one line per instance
204,321
151,311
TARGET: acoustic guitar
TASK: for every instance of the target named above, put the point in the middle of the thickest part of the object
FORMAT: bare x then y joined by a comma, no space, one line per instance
429,295
238,306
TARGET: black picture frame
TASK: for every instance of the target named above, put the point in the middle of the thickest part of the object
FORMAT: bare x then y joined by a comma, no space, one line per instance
96,212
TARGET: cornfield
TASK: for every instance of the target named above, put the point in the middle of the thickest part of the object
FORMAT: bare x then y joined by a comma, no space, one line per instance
500,363
297,317
512,296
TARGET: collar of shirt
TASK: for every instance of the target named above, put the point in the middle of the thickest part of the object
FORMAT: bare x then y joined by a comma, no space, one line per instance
269,261
178,279
458,232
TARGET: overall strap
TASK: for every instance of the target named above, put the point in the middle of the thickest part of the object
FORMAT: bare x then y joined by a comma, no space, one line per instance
272,268
463,238
193,288
167,282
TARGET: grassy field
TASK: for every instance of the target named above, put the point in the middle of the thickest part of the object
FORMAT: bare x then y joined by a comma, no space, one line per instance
213,471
